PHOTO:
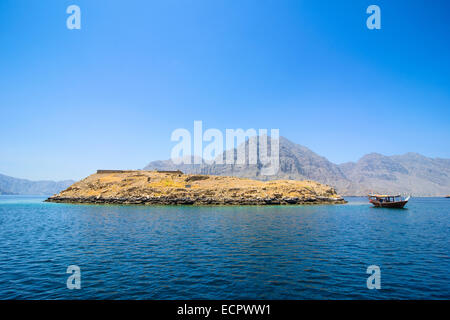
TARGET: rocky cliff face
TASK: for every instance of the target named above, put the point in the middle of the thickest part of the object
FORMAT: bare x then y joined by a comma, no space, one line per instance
410,173
296,163
150,187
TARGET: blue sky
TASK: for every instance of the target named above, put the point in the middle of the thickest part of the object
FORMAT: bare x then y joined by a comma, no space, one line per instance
110,95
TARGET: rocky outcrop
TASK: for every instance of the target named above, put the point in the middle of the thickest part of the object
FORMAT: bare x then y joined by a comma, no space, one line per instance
157,188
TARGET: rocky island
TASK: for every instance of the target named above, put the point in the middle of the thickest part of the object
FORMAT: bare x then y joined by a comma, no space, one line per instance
176,188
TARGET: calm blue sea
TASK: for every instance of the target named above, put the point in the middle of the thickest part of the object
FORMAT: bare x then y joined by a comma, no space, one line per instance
292,252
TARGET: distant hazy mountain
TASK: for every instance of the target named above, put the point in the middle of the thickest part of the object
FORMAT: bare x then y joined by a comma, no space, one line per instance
410,173
10,185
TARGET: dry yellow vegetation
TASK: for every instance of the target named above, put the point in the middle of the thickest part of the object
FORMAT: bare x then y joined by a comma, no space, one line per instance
152,187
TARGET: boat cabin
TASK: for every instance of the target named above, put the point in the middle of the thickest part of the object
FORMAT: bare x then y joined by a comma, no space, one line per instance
385,198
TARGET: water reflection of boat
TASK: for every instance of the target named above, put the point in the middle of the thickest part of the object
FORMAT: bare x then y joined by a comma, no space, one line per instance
388,201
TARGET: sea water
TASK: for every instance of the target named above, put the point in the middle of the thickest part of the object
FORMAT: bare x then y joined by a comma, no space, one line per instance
266,252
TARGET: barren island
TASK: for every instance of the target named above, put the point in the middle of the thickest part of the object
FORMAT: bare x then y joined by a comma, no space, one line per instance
176,188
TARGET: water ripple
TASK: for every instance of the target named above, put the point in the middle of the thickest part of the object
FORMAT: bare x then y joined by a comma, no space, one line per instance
304,252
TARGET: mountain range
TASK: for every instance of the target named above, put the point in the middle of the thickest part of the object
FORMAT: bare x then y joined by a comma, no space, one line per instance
410,173
10,185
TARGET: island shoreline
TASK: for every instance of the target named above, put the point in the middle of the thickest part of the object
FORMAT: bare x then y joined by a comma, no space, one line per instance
118,187
195,203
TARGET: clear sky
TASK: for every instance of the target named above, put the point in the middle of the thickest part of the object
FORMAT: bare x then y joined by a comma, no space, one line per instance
110,95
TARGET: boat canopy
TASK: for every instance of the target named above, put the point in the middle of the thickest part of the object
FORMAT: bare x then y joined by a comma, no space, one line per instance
384,196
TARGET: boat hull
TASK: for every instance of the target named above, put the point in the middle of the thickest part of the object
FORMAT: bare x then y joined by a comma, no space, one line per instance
396,204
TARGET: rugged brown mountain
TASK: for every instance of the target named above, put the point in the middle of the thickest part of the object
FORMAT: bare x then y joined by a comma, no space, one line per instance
410,173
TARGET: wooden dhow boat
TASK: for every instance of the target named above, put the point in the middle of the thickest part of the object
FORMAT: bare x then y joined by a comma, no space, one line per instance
388,201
